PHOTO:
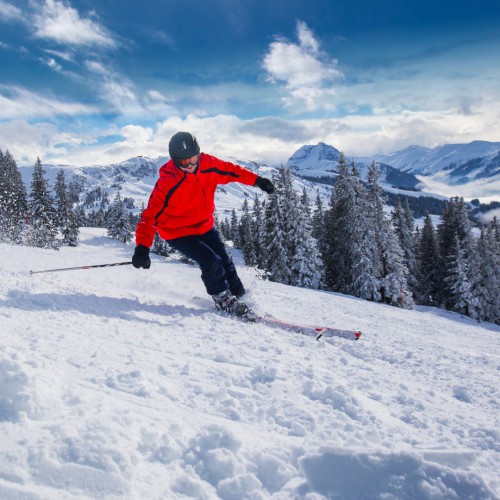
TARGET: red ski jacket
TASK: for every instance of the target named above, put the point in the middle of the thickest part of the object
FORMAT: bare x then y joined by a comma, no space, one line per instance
183,204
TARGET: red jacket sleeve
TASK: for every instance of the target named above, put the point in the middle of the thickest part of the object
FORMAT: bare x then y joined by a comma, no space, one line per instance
230,172
146,229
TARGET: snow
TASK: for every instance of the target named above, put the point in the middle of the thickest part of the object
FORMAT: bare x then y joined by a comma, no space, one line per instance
124,383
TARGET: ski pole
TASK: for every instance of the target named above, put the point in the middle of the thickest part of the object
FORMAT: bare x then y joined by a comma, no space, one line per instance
81,267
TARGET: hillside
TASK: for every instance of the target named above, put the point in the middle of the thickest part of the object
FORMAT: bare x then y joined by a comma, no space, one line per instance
125,383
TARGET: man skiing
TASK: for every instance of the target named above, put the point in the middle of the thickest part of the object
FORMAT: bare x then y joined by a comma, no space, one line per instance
181,208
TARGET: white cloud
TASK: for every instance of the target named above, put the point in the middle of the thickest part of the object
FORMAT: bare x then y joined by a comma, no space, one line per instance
51,63
114,89
54,20
307,75
9,12
269,139
18,102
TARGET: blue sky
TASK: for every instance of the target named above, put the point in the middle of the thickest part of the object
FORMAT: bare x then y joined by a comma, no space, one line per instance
93,82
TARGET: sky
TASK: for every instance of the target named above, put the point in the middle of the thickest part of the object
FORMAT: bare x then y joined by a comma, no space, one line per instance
122,383
87,82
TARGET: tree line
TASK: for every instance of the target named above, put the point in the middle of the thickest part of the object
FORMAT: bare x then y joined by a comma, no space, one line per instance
353,246
49,218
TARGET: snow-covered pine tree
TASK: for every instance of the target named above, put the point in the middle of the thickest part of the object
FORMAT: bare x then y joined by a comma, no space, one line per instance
404,226
428,264
235,230
377,227
350,246
389,270
246,235
306,204
118,221
395,290
317,220
160,246
334,243
275,255
460,293
257,232
42,214
488,251
66,218
365,281
13,201
306,265
459,265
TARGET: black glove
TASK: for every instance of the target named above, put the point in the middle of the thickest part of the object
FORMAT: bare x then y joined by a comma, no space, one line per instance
141,257
264,184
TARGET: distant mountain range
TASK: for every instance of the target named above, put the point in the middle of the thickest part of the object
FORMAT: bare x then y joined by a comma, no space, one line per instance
321,161
470,170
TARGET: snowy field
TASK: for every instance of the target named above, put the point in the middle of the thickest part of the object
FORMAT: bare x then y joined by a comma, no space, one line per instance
124,383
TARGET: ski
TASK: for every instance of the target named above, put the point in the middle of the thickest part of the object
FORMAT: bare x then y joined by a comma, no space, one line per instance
317,332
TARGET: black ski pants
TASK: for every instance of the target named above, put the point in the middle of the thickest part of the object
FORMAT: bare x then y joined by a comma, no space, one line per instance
217,269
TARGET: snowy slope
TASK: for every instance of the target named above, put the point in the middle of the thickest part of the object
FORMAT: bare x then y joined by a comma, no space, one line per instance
124,383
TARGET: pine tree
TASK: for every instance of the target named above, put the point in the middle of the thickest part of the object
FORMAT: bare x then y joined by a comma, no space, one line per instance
274,240
235,230
42,214
306,204
460,294
306,265
258,232
336,254
246,235
118,221
395,290
459,265
160,246
66,218
428,264
350,248
13,201
404,225
376,227
488,251
364,277
317,220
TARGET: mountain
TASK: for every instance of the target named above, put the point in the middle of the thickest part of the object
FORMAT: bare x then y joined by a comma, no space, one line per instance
136,177
424,175
469,170
321,160
121,383
462,162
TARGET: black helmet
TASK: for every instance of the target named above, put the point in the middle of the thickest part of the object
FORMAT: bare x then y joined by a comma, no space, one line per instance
183,145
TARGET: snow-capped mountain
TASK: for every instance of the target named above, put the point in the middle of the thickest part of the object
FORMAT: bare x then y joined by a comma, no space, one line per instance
321,160
469,170
477,159
136,177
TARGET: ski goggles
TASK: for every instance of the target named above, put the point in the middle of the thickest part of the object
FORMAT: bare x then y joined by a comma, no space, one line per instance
188,162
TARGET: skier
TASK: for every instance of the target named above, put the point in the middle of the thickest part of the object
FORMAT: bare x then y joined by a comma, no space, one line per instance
181,208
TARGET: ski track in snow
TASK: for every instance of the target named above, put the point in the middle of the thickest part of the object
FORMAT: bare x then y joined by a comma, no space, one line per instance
125,383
